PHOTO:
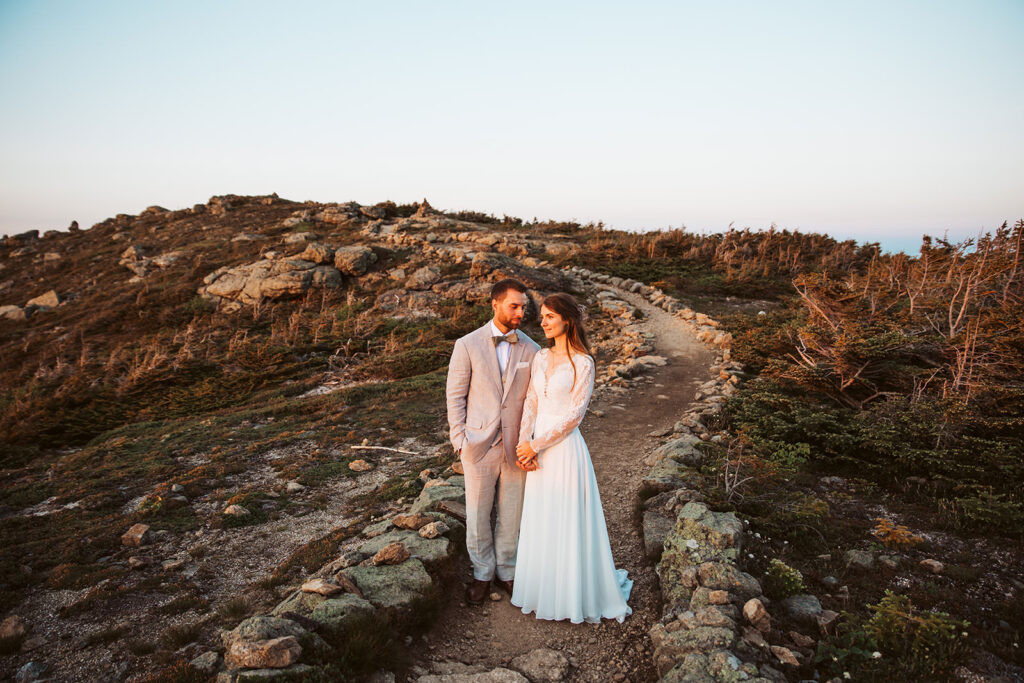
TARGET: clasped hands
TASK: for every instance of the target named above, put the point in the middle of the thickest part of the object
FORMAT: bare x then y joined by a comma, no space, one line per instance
526,457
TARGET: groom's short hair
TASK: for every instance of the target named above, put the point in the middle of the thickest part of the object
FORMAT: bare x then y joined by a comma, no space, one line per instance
502,286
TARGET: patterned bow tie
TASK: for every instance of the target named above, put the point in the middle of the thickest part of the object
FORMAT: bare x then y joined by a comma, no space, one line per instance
511,338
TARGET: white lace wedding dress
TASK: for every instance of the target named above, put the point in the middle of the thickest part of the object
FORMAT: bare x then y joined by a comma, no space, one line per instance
564,566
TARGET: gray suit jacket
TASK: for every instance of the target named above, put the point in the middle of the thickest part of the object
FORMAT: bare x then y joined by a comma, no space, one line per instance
479,405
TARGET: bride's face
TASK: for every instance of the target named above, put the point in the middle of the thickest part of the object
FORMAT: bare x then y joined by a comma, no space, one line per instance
552,323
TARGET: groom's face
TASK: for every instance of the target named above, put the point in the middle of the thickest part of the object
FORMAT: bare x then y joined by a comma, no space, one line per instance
509,311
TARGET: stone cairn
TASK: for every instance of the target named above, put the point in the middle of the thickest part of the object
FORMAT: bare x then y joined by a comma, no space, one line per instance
715,622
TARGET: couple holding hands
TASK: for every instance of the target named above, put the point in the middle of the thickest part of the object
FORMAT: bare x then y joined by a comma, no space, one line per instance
514,411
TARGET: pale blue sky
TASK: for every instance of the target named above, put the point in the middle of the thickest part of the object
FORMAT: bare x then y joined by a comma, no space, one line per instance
871,120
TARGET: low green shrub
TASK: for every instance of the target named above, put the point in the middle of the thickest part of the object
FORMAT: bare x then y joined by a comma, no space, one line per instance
925,645
782,581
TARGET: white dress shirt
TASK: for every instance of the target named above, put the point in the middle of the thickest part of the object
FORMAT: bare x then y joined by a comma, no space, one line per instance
503,349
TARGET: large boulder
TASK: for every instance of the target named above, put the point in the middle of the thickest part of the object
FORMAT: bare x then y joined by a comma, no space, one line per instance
334,611
427,550
667,475
492,267
268,279
682,450
354,260
430,498
670,648
423,278
395,585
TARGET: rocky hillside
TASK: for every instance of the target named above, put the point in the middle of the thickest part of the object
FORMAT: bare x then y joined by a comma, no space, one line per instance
200,405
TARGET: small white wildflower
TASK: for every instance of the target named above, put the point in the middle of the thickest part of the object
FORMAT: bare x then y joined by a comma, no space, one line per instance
691,544
964,634
846,674
785,543
757,534
750,555
876,655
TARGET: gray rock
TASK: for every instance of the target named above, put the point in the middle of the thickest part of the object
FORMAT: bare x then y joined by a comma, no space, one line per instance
542,664
657,525
354,260
671,648
859,559
31,671
12,312
429,498
423,278
339,610
296,672
499,675
427,550
803,608
208,663
391,585
682,449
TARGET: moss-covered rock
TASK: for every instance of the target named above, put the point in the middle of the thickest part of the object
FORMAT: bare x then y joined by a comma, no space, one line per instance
391,585
429,498
427,550
671,648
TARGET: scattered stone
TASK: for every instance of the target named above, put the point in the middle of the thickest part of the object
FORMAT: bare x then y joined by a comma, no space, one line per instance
31,671
393,553
434,529
889,562
859,559
934,566
542,664
236,511
785,655
412,522
322,587
826,619
275,653
207,663
13,627
12,312
803,608
800,639
360,466
294,487
137,535
757,616
173,565
47,300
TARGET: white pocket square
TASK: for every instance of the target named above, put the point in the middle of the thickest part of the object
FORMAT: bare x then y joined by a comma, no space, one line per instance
523,364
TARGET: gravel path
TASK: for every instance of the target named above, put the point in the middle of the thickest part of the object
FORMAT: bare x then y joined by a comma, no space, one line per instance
494,633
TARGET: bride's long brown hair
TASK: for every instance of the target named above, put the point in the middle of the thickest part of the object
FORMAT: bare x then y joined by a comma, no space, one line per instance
572,314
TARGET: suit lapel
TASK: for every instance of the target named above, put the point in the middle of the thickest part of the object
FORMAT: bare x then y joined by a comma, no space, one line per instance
491,353
513,360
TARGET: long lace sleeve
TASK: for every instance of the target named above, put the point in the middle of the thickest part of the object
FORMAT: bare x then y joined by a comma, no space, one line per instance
579,399
529,418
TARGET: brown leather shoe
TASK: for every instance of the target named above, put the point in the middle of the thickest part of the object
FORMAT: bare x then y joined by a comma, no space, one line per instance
505,585
477,591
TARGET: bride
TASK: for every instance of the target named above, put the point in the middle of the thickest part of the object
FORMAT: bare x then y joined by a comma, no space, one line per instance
564,566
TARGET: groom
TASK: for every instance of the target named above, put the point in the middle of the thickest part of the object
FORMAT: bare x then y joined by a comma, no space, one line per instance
488,376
